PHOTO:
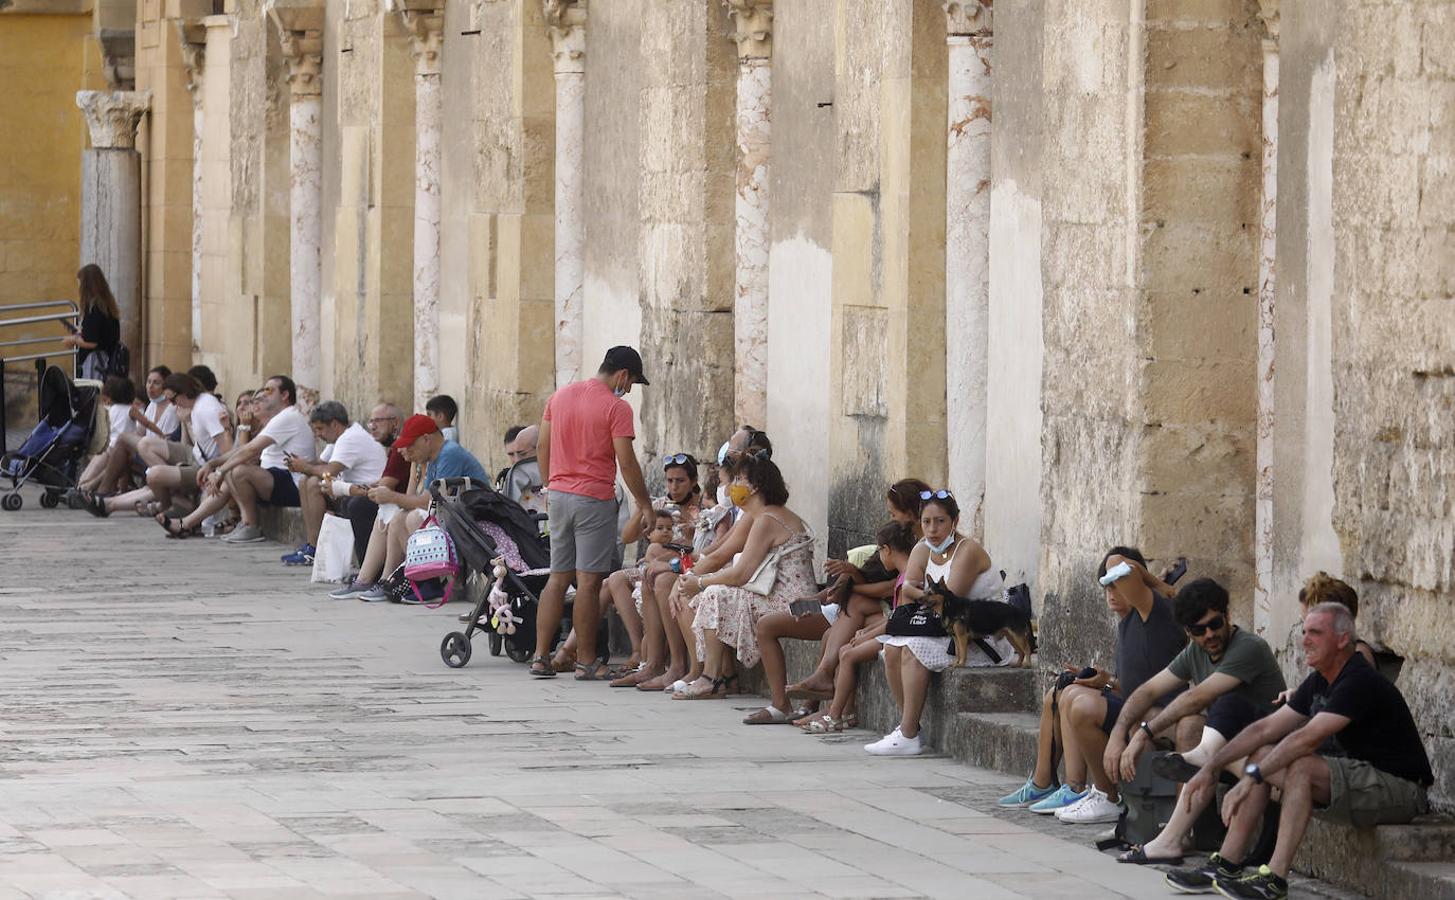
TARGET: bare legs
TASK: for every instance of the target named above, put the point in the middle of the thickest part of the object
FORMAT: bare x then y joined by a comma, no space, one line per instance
311,499
807,627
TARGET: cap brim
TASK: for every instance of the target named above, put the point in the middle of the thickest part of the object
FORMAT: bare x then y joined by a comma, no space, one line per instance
640,379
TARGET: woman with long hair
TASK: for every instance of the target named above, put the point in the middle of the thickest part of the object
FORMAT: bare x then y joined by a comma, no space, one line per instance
100,331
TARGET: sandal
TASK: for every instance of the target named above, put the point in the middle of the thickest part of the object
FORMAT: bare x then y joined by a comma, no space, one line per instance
595,672
826,724
96,506
541,667
768,715
715,690
1137,856
629,678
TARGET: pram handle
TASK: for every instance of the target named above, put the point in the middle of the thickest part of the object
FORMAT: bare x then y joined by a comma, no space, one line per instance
451,487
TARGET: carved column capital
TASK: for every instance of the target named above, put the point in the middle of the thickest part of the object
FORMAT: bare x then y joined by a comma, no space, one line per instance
424,21
754,31
566,24
968,17
112,116
300,31
1268,12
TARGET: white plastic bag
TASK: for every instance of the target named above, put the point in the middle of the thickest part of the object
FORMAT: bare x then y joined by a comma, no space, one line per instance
333,558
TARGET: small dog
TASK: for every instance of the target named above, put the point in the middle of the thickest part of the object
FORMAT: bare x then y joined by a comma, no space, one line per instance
968,620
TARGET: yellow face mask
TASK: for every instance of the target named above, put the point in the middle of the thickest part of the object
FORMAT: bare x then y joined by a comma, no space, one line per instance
738,493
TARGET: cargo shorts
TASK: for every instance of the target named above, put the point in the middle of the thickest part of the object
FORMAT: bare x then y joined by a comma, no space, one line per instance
583,533
1361,795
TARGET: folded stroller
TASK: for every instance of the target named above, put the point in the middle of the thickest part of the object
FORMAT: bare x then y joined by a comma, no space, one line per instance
51,455
496,538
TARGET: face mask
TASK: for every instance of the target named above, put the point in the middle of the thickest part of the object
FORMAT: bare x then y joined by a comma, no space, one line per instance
738,493
943,545
618,392
722,496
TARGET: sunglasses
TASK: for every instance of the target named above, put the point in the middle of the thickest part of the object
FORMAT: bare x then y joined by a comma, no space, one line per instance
1215,625
935,495
678,459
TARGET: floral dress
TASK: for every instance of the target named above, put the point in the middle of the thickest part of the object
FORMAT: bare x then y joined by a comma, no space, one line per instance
733,612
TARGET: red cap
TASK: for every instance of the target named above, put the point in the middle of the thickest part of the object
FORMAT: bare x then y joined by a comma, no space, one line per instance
414,427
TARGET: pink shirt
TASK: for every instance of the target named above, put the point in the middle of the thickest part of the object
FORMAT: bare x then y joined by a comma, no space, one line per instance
585,418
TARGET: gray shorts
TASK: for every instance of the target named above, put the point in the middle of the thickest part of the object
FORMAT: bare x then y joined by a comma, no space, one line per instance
583,533
1361,795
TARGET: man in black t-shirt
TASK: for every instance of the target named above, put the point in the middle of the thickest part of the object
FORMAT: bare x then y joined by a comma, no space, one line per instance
1381,778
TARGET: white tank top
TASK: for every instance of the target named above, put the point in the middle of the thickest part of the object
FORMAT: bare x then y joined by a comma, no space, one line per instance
988,586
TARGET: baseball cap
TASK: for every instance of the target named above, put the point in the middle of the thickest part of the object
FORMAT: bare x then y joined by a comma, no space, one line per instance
415,426
618,358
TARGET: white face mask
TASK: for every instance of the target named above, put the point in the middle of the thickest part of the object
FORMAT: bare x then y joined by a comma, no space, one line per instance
942,546
722,496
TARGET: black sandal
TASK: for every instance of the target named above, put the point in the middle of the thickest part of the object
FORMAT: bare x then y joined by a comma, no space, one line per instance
541,667
1137,856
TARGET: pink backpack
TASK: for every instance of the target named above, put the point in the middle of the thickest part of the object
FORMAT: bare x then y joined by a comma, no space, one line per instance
430,553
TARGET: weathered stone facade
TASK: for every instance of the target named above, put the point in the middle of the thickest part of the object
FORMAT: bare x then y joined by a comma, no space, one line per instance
1172,273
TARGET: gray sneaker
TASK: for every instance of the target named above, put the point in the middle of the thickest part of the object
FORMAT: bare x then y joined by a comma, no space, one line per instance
245,534
376,594
352,591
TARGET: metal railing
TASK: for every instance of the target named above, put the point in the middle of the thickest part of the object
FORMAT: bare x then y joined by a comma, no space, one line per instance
70,317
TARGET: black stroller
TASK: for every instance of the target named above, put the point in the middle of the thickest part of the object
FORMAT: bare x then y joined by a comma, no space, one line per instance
497,538
51,455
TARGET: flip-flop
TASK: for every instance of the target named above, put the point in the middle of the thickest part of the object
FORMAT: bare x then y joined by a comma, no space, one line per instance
1137,856
768,715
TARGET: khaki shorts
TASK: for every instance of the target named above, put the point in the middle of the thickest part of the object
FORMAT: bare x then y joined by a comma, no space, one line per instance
178,453
1361,795
188,474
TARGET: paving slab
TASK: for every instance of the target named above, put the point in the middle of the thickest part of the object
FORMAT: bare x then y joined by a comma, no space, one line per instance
190,719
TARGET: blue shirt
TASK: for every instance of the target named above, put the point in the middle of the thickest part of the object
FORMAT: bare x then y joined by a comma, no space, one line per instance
455,461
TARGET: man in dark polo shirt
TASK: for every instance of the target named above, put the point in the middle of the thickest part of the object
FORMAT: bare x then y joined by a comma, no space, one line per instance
1344,748
1234,679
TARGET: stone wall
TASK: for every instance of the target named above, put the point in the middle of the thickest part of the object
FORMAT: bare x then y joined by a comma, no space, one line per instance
1393,329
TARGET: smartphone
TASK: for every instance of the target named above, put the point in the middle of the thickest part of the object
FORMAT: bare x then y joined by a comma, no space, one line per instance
1177,571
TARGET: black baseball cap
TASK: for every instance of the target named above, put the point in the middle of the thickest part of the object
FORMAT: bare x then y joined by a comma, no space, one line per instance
618,358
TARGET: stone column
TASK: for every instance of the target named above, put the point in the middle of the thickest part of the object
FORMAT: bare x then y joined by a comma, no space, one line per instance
111,200
967,251
1267,277
192,37
754,37
566,24
300,30
424,20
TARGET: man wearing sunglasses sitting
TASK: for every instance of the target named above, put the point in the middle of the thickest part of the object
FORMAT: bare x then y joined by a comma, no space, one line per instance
1235,681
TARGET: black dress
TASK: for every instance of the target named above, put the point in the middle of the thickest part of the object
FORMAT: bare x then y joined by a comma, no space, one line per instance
100,329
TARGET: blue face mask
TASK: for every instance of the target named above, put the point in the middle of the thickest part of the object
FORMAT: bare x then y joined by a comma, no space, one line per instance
943,545
618,392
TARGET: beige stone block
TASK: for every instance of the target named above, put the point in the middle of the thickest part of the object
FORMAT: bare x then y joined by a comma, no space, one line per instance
537,243
1216,12
1375,188
483,254
1199,458
536,335
1184,391
1437,189
1198,259
538,171
854,274
1393,114
396,250
1208,58
1192,328
507,287
1201,189
1389,38
864,351
1184,122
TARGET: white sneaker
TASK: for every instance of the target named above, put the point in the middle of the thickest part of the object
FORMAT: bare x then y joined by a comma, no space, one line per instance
895,744
1093,809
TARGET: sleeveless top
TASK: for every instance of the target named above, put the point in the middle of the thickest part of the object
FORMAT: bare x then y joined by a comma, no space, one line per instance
987,586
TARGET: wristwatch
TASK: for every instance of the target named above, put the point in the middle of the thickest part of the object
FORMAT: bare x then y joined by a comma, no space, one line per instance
1253,772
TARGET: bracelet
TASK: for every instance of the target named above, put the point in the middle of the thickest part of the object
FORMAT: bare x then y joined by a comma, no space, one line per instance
1148,728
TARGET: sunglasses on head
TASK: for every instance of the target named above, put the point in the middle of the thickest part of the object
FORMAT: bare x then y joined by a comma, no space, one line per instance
678,459
1215,625
935,495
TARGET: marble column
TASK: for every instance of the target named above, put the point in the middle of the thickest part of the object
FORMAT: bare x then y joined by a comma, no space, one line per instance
967,250
566,24
111,200
424,20
300,31
1267,280
193,40
751,240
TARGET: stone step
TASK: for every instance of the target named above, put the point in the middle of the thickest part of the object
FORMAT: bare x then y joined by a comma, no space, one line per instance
1377,860
282,524
1426,880
1000,741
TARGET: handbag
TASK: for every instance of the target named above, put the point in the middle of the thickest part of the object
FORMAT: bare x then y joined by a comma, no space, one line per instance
914,620
767,572
333,557
429,554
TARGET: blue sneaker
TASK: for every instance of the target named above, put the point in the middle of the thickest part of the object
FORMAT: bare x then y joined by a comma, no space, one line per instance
1064,796
303,556
1027,795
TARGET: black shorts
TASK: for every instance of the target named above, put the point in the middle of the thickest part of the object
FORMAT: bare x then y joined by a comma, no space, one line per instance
285,492
1230,714
1114,704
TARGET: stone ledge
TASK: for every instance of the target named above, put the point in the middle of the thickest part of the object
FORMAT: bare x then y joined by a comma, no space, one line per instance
282,524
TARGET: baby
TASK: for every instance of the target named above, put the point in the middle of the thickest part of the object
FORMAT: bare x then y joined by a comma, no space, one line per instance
661,547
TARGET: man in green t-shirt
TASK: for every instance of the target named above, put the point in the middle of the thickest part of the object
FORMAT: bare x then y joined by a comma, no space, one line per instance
1235,681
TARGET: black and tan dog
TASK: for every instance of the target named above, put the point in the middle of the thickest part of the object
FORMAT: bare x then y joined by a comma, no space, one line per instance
968,620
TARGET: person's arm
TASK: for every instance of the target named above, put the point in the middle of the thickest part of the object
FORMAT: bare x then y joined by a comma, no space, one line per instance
721,553
315,468
1128,738
914,574
631,532
543,453
759,544
631,473
223,440
879,590
1267,730
247,454
966,568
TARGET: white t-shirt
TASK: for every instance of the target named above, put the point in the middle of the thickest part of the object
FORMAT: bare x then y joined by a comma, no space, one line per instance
205,422
118,417
165,420
361,456
290,432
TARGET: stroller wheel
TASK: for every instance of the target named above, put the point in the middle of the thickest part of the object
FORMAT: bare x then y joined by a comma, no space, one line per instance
49,500
497,644
517,654
455,650
11,503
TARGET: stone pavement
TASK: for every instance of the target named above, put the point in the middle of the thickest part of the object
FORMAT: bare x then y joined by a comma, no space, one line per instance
186,719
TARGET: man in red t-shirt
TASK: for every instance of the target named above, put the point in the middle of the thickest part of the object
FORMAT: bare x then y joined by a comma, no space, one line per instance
586,433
